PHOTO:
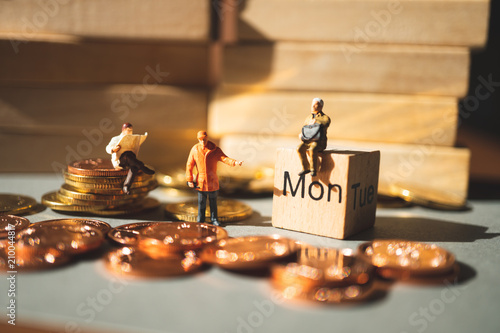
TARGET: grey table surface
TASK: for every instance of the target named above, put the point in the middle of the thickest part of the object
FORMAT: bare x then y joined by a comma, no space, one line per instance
84,296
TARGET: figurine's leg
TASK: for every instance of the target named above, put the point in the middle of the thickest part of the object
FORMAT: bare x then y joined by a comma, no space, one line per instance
202,206
132,161
313,148
302,149
127,184
212,196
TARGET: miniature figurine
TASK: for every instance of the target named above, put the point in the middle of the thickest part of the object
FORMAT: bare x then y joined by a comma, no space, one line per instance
124,149
313,137
205,155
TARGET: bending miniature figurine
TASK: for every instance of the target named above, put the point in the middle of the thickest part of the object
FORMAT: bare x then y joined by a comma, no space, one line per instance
205,155
124,149
313,137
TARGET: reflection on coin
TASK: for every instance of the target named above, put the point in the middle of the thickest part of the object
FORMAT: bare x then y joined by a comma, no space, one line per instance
12,223
392,257
16,204
127,234
71,239
163,238
248,252
102,226
28,257
228,210
95,167
130,261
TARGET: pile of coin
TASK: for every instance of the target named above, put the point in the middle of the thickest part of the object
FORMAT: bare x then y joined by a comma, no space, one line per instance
95,186
49,243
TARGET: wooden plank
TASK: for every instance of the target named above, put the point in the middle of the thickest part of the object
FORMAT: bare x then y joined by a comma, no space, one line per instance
339,202
109,62
42,127
434,172
392,69
365,117
437,22
130,19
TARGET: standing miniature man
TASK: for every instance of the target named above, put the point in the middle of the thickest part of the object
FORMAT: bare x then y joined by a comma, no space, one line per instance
205,155
124,154
313,137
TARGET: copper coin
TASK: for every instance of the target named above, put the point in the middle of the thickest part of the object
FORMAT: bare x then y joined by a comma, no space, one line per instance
16,204
12,223
133,262
68,238
96,167
326,267
101,225
164,238
248,252
415,258
30,257
128,234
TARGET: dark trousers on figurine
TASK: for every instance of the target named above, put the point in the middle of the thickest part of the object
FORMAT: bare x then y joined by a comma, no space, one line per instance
129,160
202,205
314,147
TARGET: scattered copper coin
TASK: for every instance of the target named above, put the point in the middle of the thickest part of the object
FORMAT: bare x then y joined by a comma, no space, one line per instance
13,204
133,262
395,257
95,167
27,257
90,223
127,234
248,252
12,223
69,238
163,238
227,209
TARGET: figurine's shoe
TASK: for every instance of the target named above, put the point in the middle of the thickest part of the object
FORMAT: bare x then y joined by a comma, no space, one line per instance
304,172
126,189
216,223
313,173
147,170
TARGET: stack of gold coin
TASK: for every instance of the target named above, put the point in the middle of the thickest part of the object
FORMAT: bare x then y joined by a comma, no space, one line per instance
94,186
51,243
324,275
410,261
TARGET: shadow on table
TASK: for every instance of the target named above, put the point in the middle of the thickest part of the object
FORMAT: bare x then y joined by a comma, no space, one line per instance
424,230
256,220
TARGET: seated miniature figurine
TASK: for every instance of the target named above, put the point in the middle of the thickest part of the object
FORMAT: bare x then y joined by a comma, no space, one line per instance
313,137
205,155
124,149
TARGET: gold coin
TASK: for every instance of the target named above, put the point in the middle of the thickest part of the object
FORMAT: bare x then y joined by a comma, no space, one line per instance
114,191
127,234
134,208
104,187
52,200
11,204
96,167
163,238
142,177
123,200
12,223
248,252
430,198
68,238
28,257
71,192
78,222
392,257
129,261
228,210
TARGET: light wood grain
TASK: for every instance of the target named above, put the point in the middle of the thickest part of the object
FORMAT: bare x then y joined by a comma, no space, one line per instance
398,69
128,19
339,202
366,117
437,22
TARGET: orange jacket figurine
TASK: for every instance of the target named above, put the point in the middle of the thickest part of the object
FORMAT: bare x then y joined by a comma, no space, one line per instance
205,155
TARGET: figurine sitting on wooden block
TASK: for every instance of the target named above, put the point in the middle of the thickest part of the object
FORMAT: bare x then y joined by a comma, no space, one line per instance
313,137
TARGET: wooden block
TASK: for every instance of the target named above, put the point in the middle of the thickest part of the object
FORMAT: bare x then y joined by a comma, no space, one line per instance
130,19
365,117
437,22
391,69
338,203
45,127
440,173
109,62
